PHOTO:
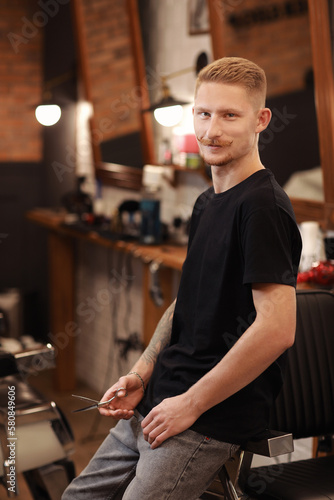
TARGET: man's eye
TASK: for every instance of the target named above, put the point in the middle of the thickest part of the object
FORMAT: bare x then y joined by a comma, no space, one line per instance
231,115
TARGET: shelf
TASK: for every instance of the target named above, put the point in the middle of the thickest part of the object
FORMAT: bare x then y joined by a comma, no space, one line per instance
202,171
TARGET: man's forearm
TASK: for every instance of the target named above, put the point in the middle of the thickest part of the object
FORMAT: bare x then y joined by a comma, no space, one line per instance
161,337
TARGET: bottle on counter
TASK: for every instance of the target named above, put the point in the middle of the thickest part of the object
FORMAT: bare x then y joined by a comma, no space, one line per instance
150,228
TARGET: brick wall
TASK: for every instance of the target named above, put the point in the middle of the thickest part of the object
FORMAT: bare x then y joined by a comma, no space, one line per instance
20,80
273,33
111,69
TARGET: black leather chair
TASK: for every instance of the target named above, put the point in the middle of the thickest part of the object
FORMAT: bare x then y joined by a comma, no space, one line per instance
305,408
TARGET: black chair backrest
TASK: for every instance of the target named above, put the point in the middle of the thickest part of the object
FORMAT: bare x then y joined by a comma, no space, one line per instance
305,406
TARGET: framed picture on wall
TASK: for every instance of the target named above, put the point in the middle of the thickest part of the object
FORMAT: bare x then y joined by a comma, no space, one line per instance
198,15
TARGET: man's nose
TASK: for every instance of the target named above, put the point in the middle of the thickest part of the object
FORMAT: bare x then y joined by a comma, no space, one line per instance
215,129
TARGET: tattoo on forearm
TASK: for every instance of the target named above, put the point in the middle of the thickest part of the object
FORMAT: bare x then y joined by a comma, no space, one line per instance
161,336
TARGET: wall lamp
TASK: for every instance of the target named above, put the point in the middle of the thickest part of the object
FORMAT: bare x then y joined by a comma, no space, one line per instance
48,112
168,110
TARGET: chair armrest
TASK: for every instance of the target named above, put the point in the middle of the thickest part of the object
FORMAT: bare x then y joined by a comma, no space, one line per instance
233,474
18,356
31,361
277,443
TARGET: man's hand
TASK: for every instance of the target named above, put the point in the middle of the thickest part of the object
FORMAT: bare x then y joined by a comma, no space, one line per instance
122,406
169,418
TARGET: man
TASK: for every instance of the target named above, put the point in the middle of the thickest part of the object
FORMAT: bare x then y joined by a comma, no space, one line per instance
206,381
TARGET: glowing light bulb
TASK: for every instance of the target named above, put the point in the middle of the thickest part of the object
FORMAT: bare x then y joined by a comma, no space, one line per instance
168,116
48,114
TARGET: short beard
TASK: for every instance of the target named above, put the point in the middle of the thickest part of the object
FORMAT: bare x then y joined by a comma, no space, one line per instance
221,163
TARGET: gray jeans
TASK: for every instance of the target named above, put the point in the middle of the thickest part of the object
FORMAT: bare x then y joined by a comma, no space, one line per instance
125,467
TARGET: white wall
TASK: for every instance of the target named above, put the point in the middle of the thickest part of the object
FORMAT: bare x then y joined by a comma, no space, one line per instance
108,307
172,49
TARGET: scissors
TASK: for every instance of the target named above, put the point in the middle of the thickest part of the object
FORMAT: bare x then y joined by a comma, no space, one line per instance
97,404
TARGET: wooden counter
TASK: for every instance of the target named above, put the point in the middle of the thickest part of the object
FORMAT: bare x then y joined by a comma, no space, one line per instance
61,245
171,256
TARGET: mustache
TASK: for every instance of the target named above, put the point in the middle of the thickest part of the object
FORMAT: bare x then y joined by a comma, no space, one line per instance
207,142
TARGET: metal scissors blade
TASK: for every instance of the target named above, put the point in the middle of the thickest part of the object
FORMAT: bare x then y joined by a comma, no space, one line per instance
96,404
84,398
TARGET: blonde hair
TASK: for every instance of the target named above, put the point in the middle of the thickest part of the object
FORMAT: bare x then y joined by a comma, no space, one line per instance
237,71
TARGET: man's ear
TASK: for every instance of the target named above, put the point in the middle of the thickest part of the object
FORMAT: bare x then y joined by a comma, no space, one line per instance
263,119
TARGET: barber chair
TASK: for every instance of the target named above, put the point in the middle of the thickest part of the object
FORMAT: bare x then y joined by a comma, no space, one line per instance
35,437
304,408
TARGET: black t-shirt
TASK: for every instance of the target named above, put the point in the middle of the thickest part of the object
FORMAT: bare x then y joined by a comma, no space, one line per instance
244,235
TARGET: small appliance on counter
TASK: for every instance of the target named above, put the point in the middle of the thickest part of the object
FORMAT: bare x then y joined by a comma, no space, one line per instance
78,202
127,218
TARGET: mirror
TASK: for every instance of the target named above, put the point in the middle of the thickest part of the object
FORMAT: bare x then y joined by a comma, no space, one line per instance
309,19
277,37
114,82
316,23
